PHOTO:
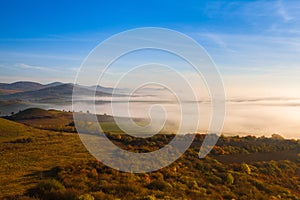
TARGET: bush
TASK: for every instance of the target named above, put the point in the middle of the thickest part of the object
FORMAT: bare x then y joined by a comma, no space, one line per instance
101,195
86,197
67,194
229,179
46,186
49,185
123,189
159,185
22,140
245,168
149,197
20,198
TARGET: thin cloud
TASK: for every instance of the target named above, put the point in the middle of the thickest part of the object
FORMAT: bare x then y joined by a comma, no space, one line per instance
258,52
283,12
42,68
40,56
93,37
217,39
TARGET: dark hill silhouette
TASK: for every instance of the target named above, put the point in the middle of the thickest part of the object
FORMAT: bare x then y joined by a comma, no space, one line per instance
59,93
5,92
24,86
21,86
31,113
102,89
53,84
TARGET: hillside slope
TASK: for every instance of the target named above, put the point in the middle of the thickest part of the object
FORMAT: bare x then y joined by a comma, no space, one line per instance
10,129
25,151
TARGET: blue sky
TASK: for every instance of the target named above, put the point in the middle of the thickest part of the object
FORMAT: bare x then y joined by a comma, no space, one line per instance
253,43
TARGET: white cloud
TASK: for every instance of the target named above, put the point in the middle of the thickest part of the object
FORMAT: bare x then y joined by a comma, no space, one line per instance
42,68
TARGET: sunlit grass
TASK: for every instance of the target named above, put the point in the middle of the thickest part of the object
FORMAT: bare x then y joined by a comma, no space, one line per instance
21,161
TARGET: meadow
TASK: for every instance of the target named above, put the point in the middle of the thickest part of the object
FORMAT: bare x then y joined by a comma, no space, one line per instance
42,157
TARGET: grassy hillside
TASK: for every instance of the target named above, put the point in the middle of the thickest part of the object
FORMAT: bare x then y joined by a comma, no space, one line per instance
10,129
56,120
46,164
26,151
44,119
33,113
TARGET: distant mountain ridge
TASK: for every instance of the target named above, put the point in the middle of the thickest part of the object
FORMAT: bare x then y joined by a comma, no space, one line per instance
21,86
48,93
24,86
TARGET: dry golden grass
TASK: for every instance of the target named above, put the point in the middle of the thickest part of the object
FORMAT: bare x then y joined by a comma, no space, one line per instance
26,151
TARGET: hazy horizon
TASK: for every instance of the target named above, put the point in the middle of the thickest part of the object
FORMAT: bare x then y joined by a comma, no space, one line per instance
254,44
258,116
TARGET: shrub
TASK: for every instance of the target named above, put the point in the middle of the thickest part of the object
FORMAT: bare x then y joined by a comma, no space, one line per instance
101,195
22,140
46,186
159,185
149,197
20,198
49,185
229,179
86,197
67,194
245,168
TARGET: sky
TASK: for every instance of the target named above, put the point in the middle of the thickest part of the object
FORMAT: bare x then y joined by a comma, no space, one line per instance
254,44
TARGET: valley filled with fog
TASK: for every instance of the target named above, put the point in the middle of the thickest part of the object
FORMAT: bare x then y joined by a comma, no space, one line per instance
243,116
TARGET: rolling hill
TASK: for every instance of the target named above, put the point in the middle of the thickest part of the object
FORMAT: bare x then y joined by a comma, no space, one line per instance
54,94
21,86
4,92
33,113
44,119
56,120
